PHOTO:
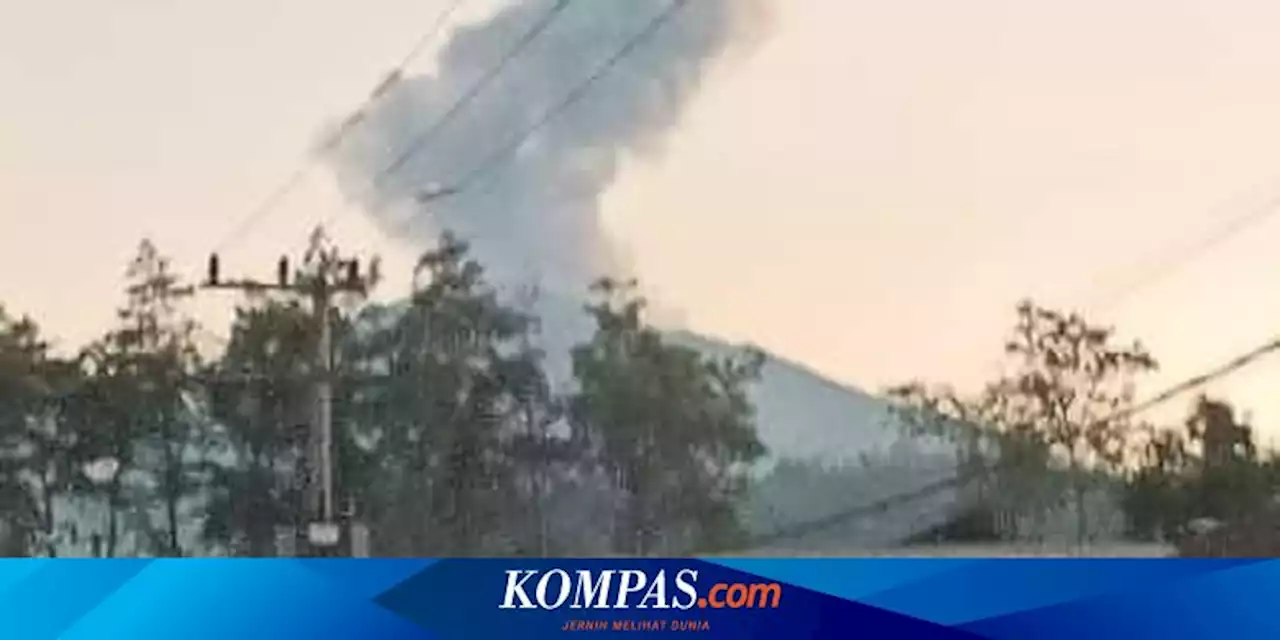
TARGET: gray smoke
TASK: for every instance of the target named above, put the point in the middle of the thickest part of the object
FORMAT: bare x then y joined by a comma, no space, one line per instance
536,218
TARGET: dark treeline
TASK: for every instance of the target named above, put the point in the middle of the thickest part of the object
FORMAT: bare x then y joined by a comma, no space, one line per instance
450,440
1057,429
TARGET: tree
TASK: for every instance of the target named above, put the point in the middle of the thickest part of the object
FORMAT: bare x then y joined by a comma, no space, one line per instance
1232,481
260,396
110,410
1002,464
1063,404
543,461
142,389
1208,468
41,449
1158,497
675,430
460,417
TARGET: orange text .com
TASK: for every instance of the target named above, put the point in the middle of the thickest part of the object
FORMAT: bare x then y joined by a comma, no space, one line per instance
742,596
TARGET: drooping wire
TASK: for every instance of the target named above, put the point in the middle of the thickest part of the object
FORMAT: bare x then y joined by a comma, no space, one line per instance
800,530
295,178
488,166
504,153
1182,256
421,140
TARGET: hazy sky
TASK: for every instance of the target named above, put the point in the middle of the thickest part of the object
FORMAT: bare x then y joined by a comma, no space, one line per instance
870,192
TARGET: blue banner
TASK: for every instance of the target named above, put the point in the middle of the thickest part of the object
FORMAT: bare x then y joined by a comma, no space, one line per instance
714,598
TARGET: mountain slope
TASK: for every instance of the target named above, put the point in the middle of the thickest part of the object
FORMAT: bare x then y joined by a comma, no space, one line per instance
804,415
807,419
800,414
834,449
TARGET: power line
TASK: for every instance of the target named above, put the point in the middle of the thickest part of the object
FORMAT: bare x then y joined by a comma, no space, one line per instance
1173,261
879,506
1224,370
496,159
296,177
1181,258
430,36
1235,226
476,89
420,141
266,206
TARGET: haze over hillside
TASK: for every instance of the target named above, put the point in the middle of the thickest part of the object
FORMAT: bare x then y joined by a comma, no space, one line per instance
812,423
842,434
802,414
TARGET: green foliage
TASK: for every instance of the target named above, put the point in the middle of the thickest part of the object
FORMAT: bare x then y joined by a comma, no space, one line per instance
1071,382
41,445
1157,497
449,438
260,399
1207,469
460,419
675,430
1062,406
142,390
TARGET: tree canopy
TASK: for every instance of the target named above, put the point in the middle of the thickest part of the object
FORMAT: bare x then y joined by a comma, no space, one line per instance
448,437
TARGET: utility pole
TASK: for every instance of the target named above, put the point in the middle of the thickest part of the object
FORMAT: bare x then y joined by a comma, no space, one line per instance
326,276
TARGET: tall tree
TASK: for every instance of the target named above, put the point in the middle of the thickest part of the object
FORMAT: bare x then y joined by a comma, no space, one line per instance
41,449
1061,405
261,400
111,413
1158,495
145,390
464,398
673,428
1232,481
1071,382
1208,468
548,465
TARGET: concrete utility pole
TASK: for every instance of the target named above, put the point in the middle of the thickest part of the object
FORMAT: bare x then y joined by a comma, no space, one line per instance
327,276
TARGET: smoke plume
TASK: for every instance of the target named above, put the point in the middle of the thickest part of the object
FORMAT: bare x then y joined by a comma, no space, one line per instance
536,216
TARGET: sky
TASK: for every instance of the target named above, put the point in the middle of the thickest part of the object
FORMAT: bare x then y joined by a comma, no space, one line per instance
869,192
